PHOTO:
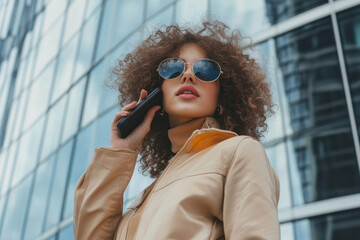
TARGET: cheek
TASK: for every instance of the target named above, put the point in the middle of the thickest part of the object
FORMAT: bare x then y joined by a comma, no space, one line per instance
165,87
213,93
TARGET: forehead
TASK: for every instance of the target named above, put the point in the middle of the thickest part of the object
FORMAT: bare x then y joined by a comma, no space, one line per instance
190,51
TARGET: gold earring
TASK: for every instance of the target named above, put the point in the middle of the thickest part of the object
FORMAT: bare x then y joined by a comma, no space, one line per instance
219,110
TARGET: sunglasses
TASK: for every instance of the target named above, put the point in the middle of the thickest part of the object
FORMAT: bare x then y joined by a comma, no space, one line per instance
204,69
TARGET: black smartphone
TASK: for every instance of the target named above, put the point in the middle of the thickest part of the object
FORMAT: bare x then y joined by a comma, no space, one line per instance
127,124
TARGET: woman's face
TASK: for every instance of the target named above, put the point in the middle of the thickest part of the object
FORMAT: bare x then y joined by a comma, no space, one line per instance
184,107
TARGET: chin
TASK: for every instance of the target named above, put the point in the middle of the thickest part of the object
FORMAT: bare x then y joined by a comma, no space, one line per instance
188,111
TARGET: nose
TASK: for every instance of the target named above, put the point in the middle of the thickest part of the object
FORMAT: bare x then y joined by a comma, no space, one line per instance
188,74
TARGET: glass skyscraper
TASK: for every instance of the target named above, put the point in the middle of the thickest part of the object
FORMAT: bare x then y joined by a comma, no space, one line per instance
55,109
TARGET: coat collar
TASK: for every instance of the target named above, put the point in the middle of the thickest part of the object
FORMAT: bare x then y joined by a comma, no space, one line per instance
180,134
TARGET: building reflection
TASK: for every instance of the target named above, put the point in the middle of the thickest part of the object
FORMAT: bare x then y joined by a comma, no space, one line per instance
321,149
280,10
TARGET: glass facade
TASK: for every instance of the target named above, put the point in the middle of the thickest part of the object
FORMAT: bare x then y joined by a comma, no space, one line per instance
55,109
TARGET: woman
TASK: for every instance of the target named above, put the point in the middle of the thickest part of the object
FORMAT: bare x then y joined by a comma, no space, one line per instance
213,178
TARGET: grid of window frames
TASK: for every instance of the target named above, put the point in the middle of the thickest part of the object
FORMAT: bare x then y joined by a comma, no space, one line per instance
55,57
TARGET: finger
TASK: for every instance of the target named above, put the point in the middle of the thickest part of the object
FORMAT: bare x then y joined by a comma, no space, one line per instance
143,95
129,106
119,115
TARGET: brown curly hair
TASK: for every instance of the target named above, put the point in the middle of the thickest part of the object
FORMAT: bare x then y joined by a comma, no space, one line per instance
244,93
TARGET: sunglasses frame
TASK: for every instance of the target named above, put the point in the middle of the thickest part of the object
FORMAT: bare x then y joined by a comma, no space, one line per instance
192,68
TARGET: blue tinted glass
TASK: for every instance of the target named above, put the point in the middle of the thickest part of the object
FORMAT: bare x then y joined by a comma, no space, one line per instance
73,110
340,225
58,185
27,157
39,199
93,95
87,43
323,163
206,70
171,68
66,233
102,134
54,127
2,203
82,155
15,211
128,17
8,168
349,26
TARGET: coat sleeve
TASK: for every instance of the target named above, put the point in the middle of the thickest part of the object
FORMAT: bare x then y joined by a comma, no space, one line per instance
251,195
98,198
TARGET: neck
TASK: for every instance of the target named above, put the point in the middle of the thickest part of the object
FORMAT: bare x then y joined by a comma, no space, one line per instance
175,121
179,134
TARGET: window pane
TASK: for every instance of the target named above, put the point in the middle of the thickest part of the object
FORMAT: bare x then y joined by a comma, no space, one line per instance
280,10
257,15
66,233
49,45
265,55
37,28
65,68
27,156
321,149
73,110
53,127
103,125
74,18
277,157
11,121
21,111
2,202
193,12
29,73
154,6
39,199
39,96
3,162
92,6
20,76
248,16
165,17
103,45
83,152
87,44
349,26
10,164
93,95
337,226
128,16
287,231
58,185
15,211
52,11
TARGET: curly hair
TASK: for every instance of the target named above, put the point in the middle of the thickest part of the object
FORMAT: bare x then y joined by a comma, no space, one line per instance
244,93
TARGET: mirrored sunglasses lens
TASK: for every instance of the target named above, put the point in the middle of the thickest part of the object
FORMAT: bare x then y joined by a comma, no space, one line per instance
206,69
171,68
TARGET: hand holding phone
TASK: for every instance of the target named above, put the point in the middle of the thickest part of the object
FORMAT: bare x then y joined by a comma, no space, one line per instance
137,135
128,123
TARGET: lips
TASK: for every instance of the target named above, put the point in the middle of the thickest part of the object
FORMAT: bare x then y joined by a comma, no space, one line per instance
187,88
